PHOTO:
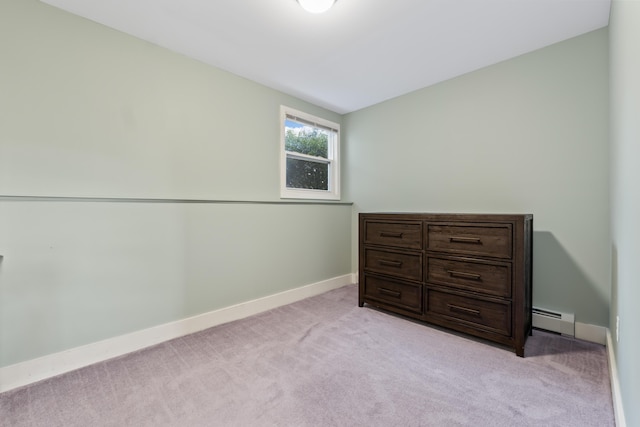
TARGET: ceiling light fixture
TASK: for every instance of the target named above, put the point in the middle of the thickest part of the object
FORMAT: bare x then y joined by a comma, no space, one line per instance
316,6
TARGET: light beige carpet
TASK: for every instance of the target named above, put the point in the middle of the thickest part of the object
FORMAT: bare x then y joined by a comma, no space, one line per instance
325,361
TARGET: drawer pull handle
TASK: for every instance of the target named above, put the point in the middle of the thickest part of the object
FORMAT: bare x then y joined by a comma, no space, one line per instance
390,234
463,275
389,292
464,310
390,263
472,240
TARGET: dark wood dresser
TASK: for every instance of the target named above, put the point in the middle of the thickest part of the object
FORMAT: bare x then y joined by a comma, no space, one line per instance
467,272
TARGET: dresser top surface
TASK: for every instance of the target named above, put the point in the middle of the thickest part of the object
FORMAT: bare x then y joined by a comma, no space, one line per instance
420,216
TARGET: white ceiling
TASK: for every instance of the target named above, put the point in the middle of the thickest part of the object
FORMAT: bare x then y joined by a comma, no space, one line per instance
357,54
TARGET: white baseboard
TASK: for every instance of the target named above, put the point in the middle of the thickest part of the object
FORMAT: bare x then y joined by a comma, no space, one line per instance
48,366
591,333
618,409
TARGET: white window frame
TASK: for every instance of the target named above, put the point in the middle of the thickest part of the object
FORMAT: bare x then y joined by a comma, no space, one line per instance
333,160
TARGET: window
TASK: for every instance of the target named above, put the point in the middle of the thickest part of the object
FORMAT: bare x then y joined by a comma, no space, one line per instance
309,165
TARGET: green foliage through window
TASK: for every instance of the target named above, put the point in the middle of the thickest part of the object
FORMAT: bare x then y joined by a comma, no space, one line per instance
303,172
310,175
309,162
312,142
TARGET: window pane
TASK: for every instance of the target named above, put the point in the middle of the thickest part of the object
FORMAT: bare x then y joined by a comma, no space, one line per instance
305,139
306,174
309,156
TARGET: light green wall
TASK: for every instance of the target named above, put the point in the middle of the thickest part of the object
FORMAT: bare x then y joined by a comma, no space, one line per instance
77,272
88,111
624,30
528,135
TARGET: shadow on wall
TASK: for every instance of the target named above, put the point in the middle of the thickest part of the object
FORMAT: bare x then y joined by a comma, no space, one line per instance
560,284
613,304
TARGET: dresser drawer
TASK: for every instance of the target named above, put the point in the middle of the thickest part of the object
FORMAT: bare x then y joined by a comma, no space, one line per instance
406,265
397,234
491,278
403,295
492,240
482,314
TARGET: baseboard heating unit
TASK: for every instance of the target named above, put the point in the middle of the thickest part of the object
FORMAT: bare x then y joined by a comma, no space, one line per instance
562,323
